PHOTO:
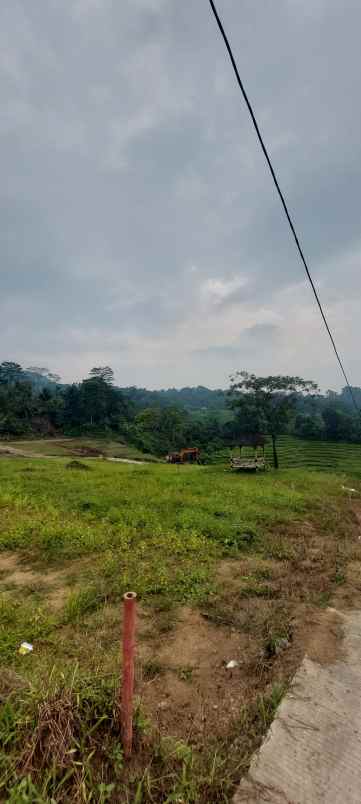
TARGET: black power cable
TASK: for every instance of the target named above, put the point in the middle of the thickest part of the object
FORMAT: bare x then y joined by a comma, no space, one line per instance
283,202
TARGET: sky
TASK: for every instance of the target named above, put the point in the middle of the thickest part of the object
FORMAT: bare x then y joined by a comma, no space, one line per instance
139,226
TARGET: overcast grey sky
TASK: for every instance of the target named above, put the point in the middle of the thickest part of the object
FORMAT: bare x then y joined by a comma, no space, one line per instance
139,225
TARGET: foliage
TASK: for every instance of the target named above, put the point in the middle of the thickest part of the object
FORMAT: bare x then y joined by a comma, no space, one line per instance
104,373
33,402
190,399
265,404
30,406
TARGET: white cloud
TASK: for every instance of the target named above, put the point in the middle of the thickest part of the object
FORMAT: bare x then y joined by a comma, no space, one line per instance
216,290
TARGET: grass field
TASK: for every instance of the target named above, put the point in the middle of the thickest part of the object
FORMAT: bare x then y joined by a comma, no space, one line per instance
225,567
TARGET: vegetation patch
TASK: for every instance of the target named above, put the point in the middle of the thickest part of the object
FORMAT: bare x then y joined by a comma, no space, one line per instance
78,465
206,601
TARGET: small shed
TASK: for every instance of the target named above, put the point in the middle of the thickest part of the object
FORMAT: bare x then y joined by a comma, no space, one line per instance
246,462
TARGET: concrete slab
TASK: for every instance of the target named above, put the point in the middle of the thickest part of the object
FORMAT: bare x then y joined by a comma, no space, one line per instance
312,753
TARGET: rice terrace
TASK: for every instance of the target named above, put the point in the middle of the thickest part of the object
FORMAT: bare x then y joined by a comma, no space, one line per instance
228,568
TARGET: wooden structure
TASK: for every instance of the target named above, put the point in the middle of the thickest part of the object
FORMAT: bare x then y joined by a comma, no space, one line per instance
247,463
187,455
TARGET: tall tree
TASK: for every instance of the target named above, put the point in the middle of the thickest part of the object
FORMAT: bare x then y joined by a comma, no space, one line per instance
104,373
268,402
72,407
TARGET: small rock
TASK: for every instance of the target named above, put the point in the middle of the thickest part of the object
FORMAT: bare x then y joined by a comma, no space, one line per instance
232,664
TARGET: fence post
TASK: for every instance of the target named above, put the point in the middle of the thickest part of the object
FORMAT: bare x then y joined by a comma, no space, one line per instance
275,456
129,609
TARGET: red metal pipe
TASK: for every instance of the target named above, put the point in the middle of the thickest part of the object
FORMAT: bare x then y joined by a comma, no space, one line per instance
128,671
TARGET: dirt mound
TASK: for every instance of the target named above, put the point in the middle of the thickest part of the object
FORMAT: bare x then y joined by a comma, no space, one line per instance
8,453
87,452
78,465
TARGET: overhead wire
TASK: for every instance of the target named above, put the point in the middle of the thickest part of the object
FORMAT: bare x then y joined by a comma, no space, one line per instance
282,199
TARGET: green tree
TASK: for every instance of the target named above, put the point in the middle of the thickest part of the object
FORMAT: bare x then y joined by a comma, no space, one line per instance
17,407
340,425
10,372
72,413
267,403
160,430
310,427
104,373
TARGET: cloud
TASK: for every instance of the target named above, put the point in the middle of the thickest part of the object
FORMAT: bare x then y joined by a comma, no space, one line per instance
260,331
139,225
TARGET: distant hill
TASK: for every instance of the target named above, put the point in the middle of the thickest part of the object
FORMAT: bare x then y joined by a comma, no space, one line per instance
192,399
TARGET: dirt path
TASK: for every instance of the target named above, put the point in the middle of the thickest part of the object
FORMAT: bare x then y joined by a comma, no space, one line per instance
18,453
126,460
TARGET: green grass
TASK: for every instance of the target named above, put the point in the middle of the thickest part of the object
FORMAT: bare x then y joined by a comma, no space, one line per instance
132,511
162,531
323,455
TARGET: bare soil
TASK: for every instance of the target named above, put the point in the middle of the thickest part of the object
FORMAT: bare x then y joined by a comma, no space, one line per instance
54,584
192,694
195,696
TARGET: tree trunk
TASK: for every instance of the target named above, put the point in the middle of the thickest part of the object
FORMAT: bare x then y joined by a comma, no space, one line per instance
275,456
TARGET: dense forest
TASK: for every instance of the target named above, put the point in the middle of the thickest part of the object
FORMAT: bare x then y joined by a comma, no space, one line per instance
34,402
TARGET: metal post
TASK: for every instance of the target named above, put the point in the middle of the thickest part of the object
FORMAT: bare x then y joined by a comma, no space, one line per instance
129,601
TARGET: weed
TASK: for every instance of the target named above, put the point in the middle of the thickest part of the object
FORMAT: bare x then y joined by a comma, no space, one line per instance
151,669
255,589
340,577
223,615
276,641
166,621
263,574
279,549
116,757
323,599
83,602
185,673
140,721
25,792
268,704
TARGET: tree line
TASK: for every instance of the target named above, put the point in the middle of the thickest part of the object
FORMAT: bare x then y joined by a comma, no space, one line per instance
33,402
